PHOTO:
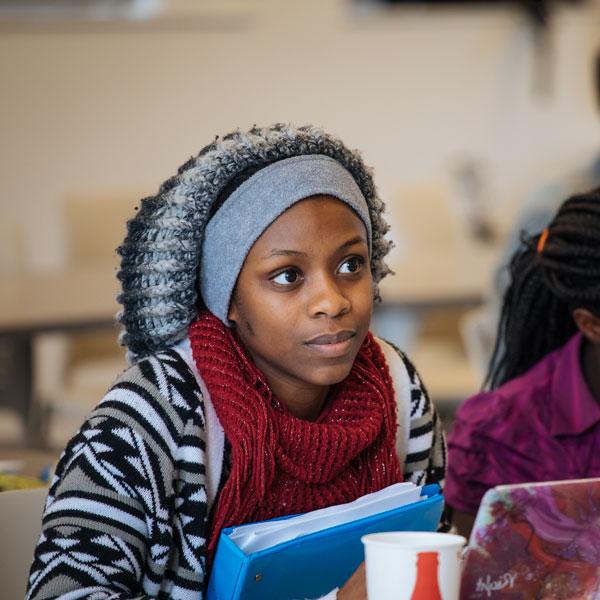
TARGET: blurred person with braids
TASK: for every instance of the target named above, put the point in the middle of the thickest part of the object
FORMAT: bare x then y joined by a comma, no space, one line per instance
541,205
535,213
257,390
539,419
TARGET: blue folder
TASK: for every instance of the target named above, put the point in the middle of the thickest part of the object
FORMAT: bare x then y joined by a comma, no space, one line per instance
312,565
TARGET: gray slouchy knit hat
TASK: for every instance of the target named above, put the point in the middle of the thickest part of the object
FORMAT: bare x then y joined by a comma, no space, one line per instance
161,253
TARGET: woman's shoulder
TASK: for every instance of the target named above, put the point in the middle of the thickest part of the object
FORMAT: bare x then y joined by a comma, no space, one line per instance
523,400
509,425
405,377
398,363
161,387
527,397
499,436
170,365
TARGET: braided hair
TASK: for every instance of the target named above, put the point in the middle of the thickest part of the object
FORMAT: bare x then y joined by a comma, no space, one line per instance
160,256
552,274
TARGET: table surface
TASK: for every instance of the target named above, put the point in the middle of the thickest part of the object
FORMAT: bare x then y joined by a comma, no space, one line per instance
86,297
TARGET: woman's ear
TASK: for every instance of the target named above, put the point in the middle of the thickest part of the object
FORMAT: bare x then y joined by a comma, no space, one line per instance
588,323
232,315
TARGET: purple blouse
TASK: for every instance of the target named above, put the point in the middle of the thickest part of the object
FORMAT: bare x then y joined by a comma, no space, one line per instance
541,426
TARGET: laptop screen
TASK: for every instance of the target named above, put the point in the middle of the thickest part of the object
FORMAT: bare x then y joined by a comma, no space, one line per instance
535,540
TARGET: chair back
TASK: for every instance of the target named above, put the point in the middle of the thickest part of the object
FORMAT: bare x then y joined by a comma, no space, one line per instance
20,524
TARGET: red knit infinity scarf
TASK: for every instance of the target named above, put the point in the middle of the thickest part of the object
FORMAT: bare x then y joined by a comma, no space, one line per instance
282,464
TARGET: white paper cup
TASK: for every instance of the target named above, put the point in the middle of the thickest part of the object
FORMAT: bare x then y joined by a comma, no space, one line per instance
413,565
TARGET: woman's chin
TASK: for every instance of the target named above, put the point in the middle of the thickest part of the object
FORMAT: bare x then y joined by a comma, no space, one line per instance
331,374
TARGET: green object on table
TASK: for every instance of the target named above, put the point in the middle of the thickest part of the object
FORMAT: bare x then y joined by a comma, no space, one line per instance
19,482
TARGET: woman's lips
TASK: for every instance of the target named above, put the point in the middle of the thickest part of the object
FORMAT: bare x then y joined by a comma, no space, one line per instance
332,344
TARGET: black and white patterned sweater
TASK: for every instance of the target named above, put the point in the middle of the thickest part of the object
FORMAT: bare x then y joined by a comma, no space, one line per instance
127,511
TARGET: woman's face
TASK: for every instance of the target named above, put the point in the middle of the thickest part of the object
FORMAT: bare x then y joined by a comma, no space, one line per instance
303,300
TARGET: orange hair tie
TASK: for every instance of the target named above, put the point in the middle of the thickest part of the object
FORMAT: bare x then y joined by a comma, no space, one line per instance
542,241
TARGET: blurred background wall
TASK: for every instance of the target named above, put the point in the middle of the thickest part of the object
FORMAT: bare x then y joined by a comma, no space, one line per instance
96,113
116,108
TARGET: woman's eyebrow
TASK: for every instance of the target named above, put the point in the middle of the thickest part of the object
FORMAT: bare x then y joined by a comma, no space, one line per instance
359,239
282,252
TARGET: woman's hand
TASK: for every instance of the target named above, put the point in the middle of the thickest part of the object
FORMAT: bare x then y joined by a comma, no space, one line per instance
356,587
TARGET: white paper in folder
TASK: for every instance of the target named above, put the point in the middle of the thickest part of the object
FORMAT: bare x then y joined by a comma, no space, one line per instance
258,536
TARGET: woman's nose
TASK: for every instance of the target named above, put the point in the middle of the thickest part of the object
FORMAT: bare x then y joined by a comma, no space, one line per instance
327,298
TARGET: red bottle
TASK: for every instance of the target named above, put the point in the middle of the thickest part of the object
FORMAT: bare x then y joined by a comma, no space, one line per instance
427,586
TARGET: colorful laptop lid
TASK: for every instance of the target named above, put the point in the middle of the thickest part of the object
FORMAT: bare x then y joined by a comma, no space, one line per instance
534,541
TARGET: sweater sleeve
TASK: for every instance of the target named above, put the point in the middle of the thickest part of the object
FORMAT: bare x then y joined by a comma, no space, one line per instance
426,454
420,440
126,511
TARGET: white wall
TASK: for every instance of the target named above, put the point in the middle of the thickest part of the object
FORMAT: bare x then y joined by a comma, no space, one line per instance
94,111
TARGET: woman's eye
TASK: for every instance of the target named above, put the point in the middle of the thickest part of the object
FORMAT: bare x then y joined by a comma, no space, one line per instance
287,277
352,264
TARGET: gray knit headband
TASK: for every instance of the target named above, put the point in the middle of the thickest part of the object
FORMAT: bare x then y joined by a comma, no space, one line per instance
162,252
254,205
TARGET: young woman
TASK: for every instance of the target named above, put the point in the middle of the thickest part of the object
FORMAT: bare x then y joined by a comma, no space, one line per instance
256,391
540,420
